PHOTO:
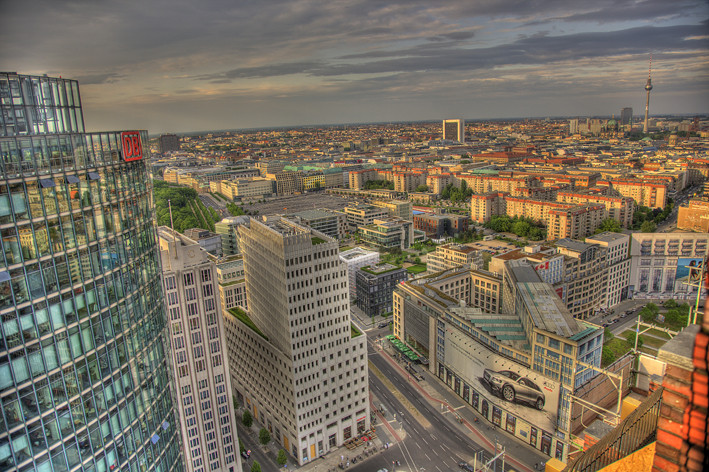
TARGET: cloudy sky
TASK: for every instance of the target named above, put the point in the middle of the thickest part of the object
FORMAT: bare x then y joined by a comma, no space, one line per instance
188,65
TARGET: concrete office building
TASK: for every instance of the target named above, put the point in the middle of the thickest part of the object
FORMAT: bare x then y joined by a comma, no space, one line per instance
375,284
454,130
618,261
585,277
626,116
388,233
210,242
660,261
293,358
332,223
403,209
449,256
199,355
84,379
355,259
227,230
232,282
362,215
534,336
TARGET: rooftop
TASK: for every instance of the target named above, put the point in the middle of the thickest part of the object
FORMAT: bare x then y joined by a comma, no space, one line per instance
573,245
608,237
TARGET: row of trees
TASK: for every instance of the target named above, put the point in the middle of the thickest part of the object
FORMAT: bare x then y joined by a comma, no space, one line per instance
522,227
646,219
455,194
180,199
377,184
264,437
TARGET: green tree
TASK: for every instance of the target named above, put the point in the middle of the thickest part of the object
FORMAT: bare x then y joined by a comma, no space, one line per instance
674,316
607,356
610,224
647,315
607,335
521,228
537,234
282,458
247,419
630,337
422,188
255,467
242,448
264,436
670,303
648,227
236,404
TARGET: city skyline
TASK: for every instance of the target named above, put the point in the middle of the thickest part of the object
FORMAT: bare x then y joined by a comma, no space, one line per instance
175,67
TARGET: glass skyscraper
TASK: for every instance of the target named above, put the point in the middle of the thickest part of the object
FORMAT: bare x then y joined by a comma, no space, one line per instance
84,380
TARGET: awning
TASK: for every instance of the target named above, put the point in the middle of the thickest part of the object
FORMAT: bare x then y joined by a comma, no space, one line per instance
72,179
94,176
4,276
46,183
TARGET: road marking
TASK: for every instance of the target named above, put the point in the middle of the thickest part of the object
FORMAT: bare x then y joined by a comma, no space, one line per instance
461,406
424,440
426,456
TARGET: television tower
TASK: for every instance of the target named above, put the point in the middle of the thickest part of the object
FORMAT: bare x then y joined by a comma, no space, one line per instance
648,87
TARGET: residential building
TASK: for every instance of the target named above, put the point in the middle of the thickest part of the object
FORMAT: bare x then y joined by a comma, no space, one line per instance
618,261
232,282
454,130
199,363
576,222
210,242
168,142
375,284
545,260
83,369
295,360
483,207
227,230
649,194
332,223
618,208
453,255
362,215
694,216
388,233
355,259
485,291
660,263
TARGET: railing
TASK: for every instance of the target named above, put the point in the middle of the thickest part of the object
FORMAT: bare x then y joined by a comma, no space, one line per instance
634,432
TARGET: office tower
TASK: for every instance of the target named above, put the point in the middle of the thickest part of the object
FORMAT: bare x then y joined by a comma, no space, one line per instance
226,229
626,116
295,359
454,130
169,142
200,368
84,381
648,87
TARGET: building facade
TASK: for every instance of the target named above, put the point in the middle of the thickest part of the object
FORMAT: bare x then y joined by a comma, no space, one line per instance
454,130
199,355
618,261
449,256
84,379
295,361
232,283
375,284
388,233
355,259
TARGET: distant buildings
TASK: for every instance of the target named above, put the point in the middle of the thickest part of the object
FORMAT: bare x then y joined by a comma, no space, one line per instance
454,130
626,116
295,359
332,223
362,215
388,233
199,355
439,226
168,142
449,256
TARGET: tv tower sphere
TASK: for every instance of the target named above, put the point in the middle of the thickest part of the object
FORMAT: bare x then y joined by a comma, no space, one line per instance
648,85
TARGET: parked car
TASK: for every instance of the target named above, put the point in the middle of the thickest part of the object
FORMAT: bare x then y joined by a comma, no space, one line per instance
383,324
514,388
246,453
465,466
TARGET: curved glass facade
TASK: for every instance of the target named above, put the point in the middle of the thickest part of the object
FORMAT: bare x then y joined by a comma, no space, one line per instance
84,380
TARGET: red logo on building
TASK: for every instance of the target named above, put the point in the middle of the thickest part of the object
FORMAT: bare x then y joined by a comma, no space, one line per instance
132,146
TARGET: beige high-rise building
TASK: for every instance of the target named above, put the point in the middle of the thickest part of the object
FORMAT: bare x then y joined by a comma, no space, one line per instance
618,208
483,207
575,223
653,195
199,355
297,362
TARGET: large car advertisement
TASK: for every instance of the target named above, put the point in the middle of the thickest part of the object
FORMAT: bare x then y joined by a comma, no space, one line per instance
520,391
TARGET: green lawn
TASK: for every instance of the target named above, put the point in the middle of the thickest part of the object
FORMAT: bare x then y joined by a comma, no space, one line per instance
619,346
416,269
648,340
659,334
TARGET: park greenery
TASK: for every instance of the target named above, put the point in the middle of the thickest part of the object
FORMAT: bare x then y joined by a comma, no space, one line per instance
188,211
255,467
522,227
422,188
379,184
646,219
609,224
455,194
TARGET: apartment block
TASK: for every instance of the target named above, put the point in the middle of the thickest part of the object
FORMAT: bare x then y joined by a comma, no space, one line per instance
200,369
652,195
360,177
576,223
295,361
618,208
438,226
483,207
694,216
255,188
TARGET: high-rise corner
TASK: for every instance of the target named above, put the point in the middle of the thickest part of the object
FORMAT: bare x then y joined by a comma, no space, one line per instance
84,381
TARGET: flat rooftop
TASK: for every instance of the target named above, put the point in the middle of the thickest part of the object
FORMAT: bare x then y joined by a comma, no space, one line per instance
608,237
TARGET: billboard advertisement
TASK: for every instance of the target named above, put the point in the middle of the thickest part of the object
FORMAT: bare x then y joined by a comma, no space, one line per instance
505,384
688,270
